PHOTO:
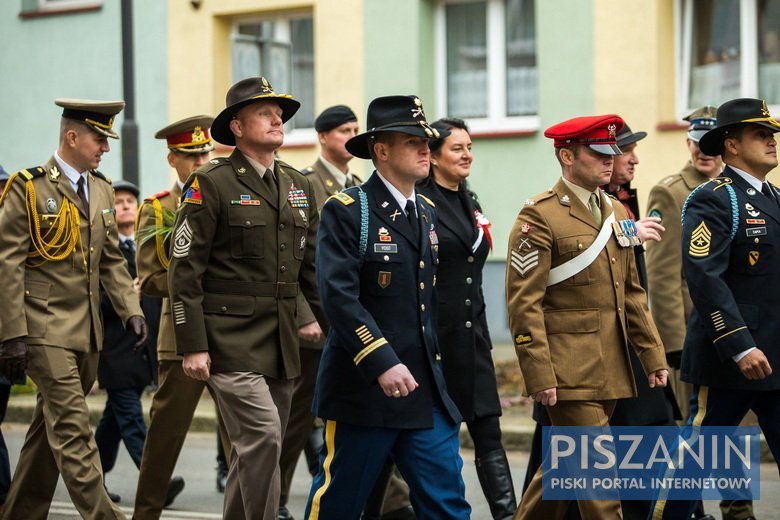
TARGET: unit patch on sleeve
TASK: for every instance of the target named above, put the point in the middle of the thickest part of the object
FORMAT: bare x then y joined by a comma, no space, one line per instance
182,240
193,195
701,239
523,338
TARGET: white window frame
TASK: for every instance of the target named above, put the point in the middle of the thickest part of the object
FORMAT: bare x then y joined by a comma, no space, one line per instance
748,50
297,136
49,5
497,121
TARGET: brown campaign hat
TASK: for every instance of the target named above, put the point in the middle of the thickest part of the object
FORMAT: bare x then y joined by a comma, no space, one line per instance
246,92
189,135
98,115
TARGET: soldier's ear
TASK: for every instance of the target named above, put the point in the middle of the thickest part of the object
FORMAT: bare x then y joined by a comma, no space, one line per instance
235,127
566,155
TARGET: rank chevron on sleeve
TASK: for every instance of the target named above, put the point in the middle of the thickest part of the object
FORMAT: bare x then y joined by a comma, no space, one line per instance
523,263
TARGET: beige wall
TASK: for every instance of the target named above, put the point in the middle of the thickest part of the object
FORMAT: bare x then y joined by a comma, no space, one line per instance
634,74
199,54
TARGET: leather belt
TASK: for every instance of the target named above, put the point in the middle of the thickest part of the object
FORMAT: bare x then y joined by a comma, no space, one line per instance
246,288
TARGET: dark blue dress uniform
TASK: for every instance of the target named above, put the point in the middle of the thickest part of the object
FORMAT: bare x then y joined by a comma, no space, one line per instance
731,236
382,308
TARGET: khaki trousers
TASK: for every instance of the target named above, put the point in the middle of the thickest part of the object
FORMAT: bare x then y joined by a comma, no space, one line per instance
255,409
59,440
570,413
173,407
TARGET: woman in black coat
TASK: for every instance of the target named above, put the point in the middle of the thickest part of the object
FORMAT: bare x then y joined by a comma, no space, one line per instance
464,244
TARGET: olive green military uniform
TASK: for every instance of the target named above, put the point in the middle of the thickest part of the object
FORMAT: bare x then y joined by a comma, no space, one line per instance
239,257
670,301
574,335
177,395
52,299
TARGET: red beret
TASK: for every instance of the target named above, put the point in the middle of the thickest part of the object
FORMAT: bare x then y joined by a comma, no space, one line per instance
597,132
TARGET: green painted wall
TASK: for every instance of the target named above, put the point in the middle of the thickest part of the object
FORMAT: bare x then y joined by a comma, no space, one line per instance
79,55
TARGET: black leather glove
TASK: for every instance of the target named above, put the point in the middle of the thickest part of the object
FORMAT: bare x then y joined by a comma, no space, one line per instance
13,358
137,325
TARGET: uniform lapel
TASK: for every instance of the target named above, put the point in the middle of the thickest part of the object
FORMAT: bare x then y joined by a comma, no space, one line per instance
607,208
447,216
760,202
285,185
250,177
328,180
577,209
387,209
58,178
94,199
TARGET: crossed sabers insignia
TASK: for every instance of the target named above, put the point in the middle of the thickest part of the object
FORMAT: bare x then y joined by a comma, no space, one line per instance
394,214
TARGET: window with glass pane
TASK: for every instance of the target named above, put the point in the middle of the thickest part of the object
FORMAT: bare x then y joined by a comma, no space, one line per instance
282,50
768,31
715,52
521,81
467,76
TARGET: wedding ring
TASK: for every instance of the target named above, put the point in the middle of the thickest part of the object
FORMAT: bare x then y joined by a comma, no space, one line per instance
397,393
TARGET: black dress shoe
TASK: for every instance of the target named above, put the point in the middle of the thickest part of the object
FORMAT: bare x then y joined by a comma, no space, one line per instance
113,497
221,479
706,516
175,486
284,513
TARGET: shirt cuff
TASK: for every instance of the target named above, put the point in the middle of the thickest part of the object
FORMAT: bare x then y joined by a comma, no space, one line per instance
742,354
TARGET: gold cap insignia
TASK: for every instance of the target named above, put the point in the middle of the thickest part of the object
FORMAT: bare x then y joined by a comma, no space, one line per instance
764,109
612,128
198,136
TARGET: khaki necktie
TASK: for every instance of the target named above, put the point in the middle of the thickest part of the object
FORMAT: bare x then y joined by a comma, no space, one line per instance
594,208
268,179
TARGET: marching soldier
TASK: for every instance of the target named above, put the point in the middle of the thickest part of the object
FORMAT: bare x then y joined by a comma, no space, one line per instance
243,247
380,387
173,405
58,246
730,227
560,303
670,302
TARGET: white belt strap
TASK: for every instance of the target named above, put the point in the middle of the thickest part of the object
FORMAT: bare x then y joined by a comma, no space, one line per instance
584,259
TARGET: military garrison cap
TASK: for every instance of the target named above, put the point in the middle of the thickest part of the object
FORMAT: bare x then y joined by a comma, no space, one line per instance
599,133
98,115
701,121
334,116
190,135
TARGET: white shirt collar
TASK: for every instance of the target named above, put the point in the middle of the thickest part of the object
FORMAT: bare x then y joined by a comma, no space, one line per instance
71,173
749,178
180,184
341,177
122,237
397,195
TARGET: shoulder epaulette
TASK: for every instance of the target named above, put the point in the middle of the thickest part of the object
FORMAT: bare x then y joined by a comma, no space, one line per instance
163,193
287,166
719,182
426,199
100,175
307,171
342,197
670,179
213,163
610,196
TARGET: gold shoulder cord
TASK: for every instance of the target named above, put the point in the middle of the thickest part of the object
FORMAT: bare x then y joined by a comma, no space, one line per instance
159,240
60,240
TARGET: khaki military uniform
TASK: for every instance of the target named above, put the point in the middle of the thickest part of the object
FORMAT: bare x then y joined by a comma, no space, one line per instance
574,335
177,395
670,301
239,257
52,300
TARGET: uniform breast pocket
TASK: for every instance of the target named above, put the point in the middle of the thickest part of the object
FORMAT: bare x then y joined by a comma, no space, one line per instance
570,247
754,254
301,230
383,274
247,231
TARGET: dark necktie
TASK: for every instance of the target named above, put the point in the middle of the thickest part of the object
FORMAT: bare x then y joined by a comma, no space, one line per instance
411,216
81,192
270,182
130,244
766,190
